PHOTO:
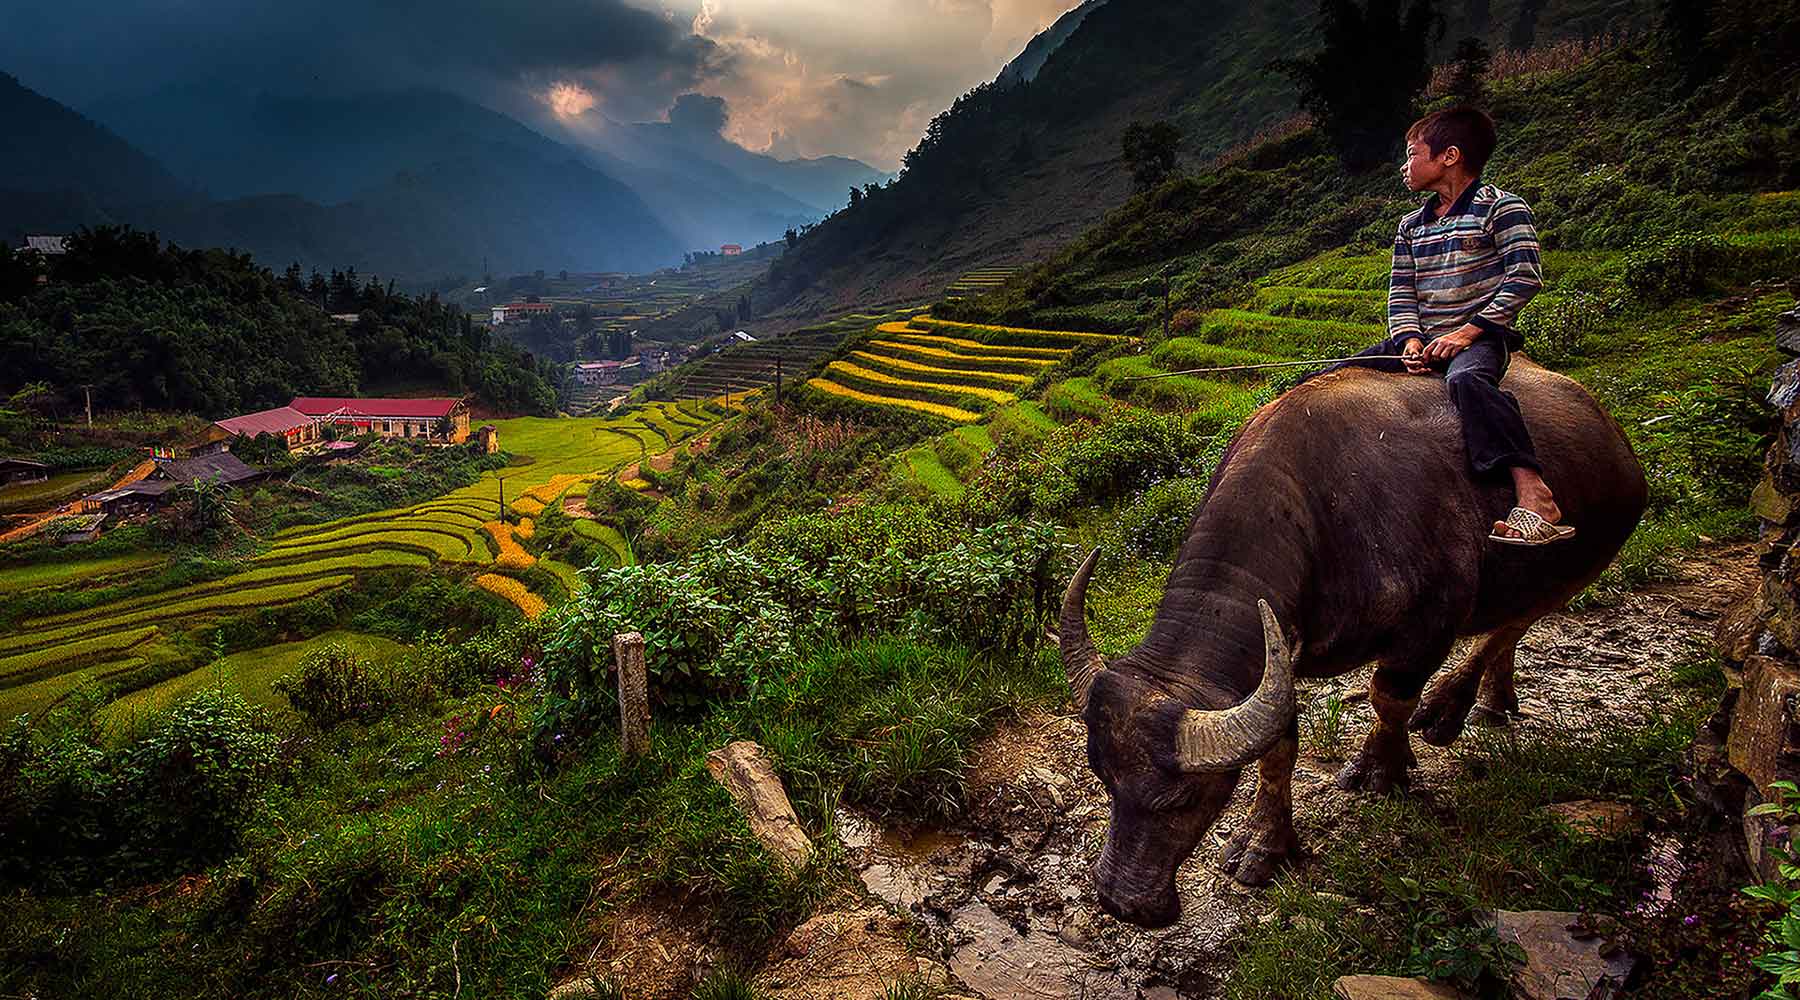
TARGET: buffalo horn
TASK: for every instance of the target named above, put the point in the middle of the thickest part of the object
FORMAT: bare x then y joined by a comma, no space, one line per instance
1079,657
1231,738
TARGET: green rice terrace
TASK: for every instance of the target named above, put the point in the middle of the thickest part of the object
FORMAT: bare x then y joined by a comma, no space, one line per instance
125,628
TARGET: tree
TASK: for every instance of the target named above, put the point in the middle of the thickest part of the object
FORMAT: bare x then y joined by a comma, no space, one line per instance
1468,72
203,505
792,237
1150,152
1362,104
856,196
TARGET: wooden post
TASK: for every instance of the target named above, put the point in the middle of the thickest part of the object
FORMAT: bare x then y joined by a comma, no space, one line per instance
634,694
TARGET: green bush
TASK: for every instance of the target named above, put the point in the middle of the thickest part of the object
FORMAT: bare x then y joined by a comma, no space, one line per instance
333,684
1555,325
1156,521
1663,270
730,619
1084,463
76,810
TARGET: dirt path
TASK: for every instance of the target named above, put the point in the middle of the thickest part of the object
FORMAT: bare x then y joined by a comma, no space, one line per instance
1003,904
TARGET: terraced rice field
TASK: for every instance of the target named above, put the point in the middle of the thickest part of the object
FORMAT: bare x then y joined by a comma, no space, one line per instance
956,371
460,532
980,280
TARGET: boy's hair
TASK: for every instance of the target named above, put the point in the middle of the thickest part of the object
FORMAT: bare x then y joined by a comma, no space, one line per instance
1468,129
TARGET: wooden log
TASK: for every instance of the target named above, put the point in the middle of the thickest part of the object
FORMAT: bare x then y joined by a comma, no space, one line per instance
747,774
634,694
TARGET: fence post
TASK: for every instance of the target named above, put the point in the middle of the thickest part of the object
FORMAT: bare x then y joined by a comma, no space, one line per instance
634,694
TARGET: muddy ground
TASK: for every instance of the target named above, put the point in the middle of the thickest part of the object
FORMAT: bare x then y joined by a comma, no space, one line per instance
1002,905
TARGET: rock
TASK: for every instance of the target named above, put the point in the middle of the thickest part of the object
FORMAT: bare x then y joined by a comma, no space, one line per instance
1787,332
1078,931
1764,743
1769,503
1596,819
1390,988
1784,388
1561,963
747,774
574,989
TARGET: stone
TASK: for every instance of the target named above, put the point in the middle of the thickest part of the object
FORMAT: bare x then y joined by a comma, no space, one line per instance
746,773
574,989
1768,502
1562,961
1764,742
1390,988
1597,819
1787,332
1784,388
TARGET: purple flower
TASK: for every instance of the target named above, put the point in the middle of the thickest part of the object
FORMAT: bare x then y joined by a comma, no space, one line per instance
331,979
1690,920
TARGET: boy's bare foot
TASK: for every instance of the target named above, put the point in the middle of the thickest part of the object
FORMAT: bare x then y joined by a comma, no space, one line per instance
1534,495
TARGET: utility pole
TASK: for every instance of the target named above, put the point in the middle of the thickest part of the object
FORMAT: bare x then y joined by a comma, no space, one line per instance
87,392
777,381
502,481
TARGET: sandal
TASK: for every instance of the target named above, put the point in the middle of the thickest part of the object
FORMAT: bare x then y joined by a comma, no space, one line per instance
1532,529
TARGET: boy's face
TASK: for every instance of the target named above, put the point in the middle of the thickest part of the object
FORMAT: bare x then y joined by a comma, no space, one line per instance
1421,170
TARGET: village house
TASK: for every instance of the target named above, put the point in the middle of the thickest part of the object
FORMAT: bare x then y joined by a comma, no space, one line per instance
298,429
439,418
157,488
600,372
16,471
519,312
49,246
731,250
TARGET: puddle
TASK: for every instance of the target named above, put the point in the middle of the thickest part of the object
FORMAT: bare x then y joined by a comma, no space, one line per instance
997,960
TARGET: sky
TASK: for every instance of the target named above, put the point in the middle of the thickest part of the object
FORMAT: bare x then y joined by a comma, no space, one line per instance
857,78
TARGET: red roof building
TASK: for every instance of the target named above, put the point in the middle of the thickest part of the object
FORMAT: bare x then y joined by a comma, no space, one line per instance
403,409
297,428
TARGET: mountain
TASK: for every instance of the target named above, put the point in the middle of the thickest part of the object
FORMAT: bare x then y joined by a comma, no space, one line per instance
63,166
414,186
1024,67
710,190
1015,170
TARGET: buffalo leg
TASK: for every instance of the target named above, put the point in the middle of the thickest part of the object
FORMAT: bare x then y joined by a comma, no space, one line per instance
1499,700
1381,765
1444,710
1267,838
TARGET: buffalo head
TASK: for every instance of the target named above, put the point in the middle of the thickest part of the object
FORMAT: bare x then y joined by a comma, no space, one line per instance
1169,768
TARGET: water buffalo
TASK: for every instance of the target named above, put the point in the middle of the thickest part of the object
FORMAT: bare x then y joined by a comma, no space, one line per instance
1344,512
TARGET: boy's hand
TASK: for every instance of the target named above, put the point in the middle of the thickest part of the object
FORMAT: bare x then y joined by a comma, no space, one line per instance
1414,360
1451,344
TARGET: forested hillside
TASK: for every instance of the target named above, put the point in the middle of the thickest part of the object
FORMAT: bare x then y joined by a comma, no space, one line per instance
156,326
1014,171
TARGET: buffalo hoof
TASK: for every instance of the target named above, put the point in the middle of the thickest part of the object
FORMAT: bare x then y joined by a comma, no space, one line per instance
1254,855
1488,718
1439,721
1368,774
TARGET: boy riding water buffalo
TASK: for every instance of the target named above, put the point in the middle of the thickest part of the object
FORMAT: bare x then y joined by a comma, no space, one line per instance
1465,263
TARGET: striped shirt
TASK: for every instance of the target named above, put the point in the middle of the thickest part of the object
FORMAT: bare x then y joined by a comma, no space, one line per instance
1478,264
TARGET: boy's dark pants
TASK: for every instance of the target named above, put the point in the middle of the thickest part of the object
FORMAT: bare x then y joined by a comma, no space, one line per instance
1493,429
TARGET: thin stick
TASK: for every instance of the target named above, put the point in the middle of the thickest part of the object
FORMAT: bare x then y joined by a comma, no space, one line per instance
1268,364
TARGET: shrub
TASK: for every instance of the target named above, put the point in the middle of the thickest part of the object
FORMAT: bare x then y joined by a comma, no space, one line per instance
1156,521
1666,269
1084,463
730,619
198,774
1555,325
333,684
75,810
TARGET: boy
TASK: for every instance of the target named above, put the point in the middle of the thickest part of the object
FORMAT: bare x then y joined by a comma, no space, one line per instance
1460,276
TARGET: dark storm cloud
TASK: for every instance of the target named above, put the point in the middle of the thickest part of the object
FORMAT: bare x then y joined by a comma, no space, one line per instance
699,113
86,50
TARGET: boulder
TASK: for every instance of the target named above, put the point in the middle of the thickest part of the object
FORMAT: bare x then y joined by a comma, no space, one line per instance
1563,961
746,773
1787,332
1390,988
1764,743
1596,819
